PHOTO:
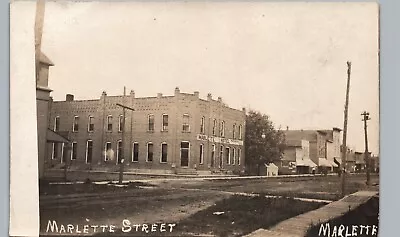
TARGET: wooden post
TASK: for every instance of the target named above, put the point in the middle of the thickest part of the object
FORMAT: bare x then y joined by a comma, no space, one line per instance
39,19
121,165
365,118
344,146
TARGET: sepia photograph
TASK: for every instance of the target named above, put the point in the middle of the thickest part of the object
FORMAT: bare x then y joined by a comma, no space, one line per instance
205,118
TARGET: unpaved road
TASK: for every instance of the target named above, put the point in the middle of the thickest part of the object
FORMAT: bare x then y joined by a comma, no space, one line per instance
173,200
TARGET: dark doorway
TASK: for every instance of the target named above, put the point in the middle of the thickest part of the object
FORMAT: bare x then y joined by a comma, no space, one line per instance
184,154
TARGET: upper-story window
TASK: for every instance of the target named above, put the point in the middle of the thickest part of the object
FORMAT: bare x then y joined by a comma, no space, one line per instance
151,122
185,123
121,123
91,124
240,132
214,128
109,123
202,125
222,129
165,122
57,123
234,131
75,125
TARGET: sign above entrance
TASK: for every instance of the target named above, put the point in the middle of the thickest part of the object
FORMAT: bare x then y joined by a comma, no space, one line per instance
202,137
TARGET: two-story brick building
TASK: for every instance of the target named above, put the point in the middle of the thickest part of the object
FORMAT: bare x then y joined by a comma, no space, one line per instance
163,134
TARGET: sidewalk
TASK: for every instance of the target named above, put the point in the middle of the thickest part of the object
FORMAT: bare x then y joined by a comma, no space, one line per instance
106,176
298,226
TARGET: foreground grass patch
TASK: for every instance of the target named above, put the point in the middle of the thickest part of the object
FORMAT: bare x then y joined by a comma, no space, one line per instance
240,215
366,214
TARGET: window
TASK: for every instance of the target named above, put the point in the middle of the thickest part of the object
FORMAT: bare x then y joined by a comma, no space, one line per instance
240,132
91,124
151,122
74,150
234,131
165,122
185,123
149,152
227,155
109,123
108,153
57,124
54,154
62,153
164,152
214,128
121,123
213,156
202,125
119,152
233,156
221,156
222,129
89,151
135,152
75,125
201,155
239,154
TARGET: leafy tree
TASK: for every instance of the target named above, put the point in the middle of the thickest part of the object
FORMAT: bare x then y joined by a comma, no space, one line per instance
263,143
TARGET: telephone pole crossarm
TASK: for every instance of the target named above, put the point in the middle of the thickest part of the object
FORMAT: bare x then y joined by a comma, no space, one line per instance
125,107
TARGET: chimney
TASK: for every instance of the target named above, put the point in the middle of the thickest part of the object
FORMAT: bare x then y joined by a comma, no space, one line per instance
220,99
69,97
177,91
209,97
132,93
196,94
159,95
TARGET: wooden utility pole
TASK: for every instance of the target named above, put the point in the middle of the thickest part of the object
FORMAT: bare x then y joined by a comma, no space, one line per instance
344,146
365,118
121,164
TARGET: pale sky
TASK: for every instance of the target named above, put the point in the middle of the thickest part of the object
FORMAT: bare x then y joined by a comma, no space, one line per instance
287,60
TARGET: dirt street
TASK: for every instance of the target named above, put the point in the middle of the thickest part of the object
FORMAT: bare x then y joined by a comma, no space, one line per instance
173,200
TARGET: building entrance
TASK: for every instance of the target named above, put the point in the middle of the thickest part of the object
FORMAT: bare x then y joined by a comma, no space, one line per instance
184,154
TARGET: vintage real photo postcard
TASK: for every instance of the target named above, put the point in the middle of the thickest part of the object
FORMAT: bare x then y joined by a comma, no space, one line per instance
194,118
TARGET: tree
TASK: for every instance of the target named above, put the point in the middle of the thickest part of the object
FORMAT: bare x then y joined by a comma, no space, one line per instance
263,143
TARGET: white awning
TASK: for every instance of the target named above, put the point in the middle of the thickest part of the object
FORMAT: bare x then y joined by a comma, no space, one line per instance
324,162
333,163
338,160
305,162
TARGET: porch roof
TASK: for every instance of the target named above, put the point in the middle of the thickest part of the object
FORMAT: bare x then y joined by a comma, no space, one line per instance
56,137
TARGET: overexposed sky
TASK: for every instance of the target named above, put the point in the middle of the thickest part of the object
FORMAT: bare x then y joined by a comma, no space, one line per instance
287,60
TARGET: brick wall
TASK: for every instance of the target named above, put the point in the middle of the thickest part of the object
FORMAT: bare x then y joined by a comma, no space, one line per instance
136,128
